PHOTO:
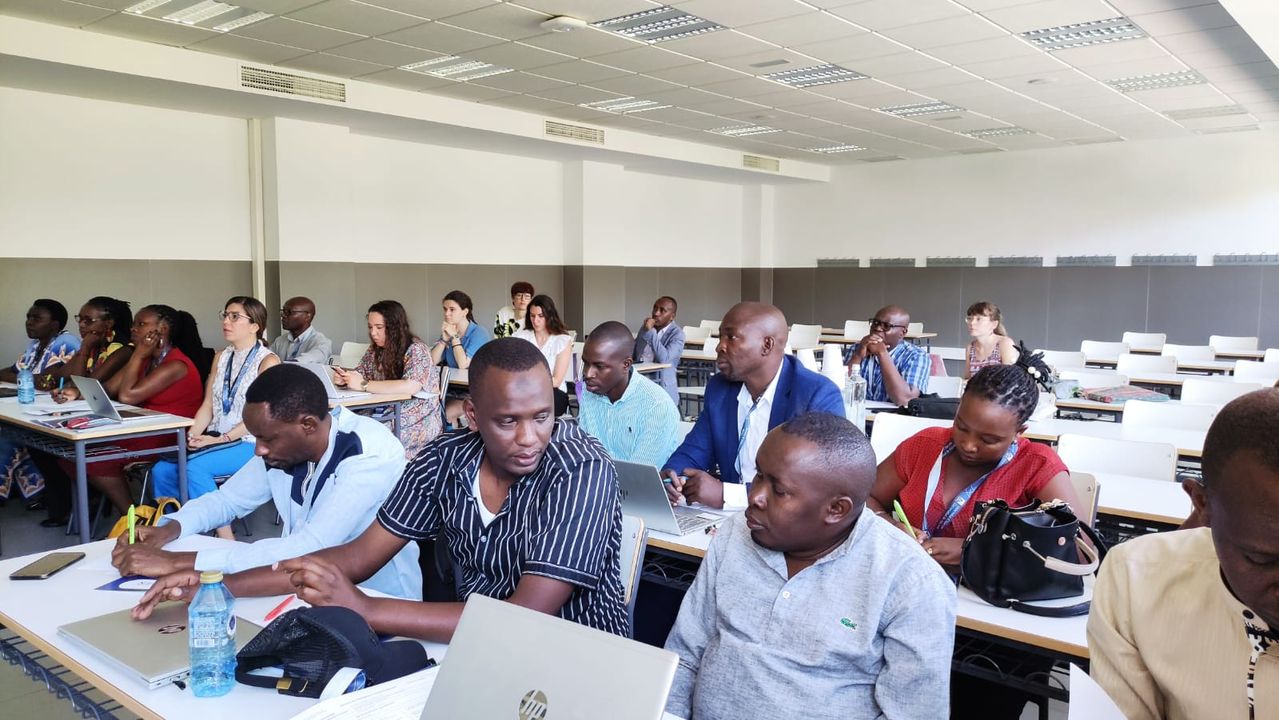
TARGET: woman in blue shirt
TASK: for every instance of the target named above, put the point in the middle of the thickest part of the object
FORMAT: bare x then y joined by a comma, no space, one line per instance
460,337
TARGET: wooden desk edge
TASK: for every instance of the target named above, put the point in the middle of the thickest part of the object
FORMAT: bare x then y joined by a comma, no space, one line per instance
111,691
1039,641
665,544
1131,514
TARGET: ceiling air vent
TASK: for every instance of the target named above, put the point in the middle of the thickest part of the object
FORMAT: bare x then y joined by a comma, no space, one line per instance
580,133
755,162
289,84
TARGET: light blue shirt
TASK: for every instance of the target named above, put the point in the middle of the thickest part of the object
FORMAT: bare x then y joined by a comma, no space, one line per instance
331,505
309,347
641,427
472,339
865,632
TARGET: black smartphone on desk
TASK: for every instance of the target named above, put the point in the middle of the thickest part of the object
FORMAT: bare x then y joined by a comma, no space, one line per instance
47,566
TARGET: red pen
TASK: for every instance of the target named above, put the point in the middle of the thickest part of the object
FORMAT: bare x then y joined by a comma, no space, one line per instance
275,612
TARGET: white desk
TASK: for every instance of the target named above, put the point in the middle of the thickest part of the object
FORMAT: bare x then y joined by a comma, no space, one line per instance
1161,501
1189,443
1191,367
372,401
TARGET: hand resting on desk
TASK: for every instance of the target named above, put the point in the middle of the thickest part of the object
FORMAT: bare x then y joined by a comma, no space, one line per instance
145,557
175,586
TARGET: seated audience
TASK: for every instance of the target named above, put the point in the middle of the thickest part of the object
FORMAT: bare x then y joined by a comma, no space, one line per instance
159,376
460,337
510,319
300,341
628,413
661,339
757,387
51,344
895,371
527,504
1183,624
543,328
398,362
807,598
350,464
990,344
218,439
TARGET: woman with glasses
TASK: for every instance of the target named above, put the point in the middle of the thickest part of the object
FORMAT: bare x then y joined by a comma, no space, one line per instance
990,344
219,443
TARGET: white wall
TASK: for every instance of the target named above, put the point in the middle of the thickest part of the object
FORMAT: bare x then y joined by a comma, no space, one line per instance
1206,195
90,178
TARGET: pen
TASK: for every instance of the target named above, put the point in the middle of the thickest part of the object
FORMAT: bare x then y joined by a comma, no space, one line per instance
275,612
133,518
60,381
900,514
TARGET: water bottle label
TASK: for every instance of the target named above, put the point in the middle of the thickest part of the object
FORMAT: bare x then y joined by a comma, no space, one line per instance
209,631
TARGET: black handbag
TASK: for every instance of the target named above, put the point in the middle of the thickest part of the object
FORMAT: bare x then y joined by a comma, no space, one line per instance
931,406
1016,555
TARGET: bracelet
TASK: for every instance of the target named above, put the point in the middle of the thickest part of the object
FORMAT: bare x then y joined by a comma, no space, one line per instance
456,345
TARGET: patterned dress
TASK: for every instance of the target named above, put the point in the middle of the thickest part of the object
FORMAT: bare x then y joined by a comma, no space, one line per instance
420,418
974,364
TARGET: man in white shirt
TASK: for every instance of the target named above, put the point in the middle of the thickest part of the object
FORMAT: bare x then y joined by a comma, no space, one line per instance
300,342
327,472
1183,624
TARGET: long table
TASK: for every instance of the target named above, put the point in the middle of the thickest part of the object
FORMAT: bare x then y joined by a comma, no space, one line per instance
1190,367
375,401
461,378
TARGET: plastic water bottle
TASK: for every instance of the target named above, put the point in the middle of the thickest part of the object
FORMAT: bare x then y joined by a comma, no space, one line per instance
211,618
855,398
26,386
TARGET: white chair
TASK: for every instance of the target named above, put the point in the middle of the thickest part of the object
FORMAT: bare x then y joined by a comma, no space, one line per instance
631,558
696,334
805,336
1086,489
1190,353
1146,341
808,359
351,354
1133,364
1096,349
1209,391
1173,416
713,325
1157,461
711,345
946,386
856,328
1063,359
685,428
1272,355
1266,373
915,328
1224,343
890,429
1095,378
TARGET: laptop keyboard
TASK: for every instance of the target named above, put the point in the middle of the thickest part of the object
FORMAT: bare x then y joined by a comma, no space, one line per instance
688,523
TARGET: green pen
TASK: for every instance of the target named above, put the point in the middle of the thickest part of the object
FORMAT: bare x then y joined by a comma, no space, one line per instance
133,517
900,514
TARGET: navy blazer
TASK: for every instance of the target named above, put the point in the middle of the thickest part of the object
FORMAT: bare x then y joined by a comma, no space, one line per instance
713,440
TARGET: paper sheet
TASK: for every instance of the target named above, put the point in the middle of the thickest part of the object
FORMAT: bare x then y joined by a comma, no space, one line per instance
399,699
1088,701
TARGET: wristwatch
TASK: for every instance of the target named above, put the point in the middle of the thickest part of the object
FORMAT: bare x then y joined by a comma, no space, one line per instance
364,384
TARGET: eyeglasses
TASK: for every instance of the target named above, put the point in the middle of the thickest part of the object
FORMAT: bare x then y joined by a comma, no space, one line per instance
89,318
885,325
233,316
286,311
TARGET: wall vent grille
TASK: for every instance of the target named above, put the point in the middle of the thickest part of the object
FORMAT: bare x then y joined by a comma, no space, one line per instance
580,133
290,84
755,162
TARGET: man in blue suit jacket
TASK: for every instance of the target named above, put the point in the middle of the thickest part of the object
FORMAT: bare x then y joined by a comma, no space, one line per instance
757,387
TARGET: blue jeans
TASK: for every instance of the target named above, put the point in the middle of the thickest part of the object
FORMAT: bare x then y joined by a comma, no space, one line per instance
218,462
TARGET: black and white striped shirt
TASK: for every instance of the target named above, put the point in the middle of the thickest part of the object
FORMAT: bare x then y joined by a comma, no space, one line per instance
564,521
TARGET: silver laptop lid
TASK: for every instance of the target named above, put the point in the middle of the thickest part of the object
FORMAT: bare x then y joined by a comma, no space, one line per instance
507,662
96,396
323,372
644,494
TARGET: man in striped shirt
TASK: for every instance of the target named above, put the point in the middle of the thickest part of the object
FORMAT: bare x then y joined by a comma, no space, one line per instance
528,507
631,415
895,371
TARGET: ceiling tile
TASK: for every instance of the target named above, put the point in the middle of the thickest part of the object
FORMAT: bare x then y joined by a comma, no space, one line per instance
1224,57
800,29
717,45
1240,72
247,49
54,11
275,7
466,91
684,118
441,38
999,48
729,106
517,55
587,42
1049,13
284,31
332,65
1114,52
788,98
1039,62
1141,7
743,88
929,78
957,122
383,52
962,92
505,21
577,94
156,31
702,73
634,85
965,28
1134,68
896,97
406,80
852,48
1207,40
685,97
904,62
984,5
1182,97
1248,85
355,17
886,14
1172,22
644,59
579,71
734,13
430,9
743,63
519,82
588,10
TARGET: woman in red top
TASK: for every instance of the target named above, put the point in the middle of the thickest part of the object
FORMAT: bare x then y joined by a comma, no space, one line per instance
981,458
160,376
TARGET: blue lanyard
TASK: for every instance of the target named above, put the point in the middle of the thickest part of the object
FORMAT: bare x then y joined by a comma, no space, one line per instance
228,387
962,498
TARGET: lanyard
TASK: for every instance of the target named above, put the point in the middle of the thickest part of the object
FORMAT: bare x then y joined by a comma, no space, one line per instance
228,387
962,498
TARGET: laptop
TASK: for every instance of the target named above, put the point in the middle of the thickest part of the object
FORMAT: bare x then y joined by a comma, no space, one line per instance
506,662
154,651
99,402
644,494
335,393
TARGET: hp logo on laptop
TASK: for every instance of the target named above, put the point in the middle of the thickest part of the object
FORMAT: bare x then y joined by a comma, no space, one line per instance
533,705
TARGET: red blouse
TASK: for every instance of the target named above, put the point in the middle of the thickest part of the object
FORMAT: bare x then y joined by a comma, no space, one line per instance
1018,482
183,397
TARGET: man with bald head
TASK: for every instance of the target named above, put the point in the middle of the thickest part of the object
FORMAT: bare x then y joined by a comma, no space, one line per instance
808,597
895,371
1185,624
631,416
756,387
300,342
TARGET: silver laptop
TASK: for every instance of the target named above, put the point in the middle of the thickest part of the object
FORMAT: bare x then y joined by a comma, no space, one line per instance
100,403
507,662
152,650
644,494
323,372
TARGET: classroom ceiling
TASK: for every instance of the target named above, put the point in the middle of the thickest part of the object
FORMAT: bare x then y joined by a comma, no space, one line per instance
910,78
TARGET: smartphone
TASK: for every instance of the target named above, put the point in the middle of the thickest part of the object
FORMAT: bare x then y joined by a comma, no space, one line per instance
47,566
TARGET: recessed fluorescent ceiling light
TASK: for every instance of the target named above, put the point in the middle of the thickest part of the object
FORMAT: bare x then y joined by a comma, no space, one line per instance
1206,112
624,105
932,108
1156,82
451,67
198,13
743,130
997,132
145,6
832,149
1094,32
658,25
819,75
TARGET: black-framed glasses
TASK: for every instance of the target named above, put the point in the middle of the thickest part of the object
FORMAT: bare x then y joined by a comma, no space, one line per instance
286,311
89,318
876,324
